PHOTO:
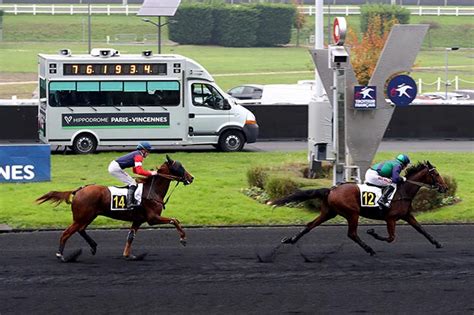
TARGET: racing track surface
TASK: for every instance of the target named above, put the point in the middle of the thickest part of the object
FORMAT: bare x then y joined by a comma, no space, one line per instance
218,272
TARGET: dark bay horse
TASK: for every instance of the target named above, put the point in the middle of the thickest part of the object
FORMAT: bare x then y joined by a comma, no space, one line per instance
344,200
91,201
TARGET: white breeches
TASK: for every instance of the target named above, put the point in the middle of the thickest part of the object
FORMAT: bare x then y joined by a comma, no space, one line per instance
374,178
120,174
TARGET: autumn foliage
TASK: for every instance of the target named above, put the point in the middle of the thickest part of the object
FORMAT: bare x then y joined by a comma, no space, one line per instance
366,51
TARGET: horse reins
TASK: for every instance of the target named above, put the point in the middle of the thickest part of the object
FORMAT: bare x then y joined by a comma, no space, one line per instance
167,176
421,184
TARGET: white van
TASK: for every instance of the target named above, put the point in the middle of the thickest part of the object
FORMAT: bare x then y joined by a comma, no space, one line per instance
110,99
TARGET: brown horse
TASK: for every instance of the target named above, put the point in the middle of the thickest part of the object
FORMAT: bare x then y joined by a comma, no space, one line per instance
93,200
344,200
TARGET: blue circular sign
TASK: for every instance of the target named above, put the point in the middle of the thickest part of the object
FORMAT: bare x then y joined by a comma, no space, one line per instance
401,90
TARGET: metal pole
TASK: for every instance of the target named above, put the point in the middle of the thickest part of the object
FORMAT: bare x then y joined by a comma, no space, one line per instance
446,74
159,35
318,42
89,25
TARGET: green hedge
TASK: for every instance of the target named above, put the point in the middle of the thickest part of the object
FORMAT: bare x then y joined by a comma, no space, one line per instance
192,24
232,26
275,23
385,11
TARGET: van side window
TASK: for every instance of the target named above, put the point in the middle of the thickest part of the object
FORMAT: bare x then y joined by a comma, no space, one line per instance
206,95
114,93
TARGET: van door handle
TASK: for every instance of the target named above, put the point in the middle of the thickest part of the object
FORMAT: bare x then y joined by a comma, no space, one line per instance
192,115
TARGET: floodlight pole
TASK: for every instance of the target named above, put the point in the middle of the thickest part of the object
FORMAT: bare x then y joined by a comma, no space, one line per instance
89,25
158,25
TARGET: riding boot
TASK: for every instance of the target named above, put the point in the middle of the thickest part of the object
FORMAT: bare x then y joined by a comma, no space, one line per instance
383,201
131,196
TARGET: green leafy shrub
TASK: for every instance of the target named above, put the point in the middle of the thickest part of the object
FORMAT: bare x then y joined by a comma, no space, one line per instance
385,11
256,177
256,193
323,172
428,199
278,187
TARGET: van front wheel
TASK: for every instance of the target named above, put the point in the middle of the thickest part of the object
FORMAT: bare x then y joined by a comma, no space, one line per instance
84,144
231,141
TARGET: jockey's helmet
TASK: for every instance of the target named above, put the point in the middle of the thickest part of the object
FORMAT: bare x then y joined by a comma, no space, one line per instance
404,159
144,146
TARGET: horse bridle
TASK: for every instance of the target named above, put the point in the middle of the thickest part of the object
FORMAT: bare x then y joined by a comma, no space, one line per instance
434,186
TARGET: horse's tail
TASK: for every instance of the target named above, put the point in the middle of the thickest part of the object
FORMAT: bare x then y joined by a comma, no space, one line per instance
302,195
58,196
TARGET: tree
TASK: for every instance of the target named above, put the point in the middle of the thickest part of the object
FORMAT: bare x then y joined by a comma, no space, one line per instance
366,52
299,22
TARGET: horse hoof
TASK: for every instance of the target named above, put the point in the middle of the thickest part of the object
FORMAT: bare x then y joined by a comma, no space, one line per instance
135,258
183,242
60,257
371,231
93,250
438,245
372,253
287,240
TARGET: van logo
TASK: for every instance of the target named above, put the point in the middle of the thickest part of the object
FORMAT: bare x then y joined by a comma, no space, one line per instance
68,119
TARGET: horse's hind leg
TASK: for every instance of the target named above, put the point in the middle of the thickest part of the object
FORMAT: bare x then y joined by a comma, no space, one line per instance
89,241
390,229
353,222
73,228
131,236
326,214
413,222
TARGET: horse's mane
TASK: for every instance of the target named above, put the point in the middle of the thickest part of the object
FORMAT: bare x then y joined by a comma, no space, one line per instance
415,169
144,180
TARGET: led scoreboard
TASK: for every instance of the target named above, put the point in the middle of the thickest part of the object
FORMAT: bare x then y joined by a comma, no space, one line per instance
114,69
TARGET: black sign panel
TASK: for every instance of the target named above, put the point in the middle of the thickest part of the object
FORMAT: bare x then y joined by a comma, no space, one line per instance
118,120
115,69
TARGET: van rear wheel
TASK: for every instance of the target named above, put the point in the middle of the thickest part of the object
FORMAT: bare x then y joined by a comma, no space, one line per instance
231,141
84,144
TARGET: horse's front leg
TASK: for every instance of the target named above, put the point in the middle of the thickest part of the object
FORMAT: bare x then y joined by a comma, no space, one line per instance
130,237
391,222
413,222
163,220
353,222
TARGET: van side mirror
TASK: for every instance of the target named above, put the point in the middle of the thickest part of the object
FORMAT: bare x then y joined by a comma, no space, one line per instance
226,104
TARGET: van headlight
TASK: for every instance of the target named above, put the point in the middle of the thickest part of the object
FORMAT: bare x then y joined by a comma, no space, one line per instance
250,120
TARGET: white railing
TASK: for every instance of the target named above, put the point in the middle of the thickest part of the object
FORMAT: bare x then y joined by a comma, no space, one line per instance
108,9
440,84
421,11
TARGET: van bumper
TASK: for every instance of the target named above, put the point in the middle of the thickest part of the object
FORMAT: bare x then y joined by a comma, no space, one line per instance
251,132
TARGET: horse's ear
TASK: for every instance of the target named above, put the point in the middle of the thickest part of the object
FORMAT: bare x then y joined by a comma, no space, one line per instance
170,161
429,165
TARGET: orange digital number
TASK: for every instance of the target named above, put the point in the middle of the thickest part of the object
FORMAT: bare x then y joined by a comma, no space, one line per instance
104,69
118,69
133,69
75,69
89,69
147,68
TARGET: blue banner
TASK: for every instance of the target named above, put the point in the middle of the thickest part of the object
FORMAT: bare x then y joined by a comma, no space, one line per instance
25,163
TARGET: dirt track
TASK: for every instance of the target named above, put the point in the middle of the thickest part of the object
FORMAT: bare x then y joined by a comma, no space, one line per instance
218,272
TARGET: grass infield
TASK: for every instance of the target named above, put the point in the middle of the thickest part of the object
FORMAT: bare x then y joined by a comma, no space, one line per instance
215,197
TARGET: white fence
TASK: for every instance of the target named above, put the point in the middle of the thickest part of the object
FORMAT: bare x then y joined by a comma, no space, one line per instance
440,84
72,9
